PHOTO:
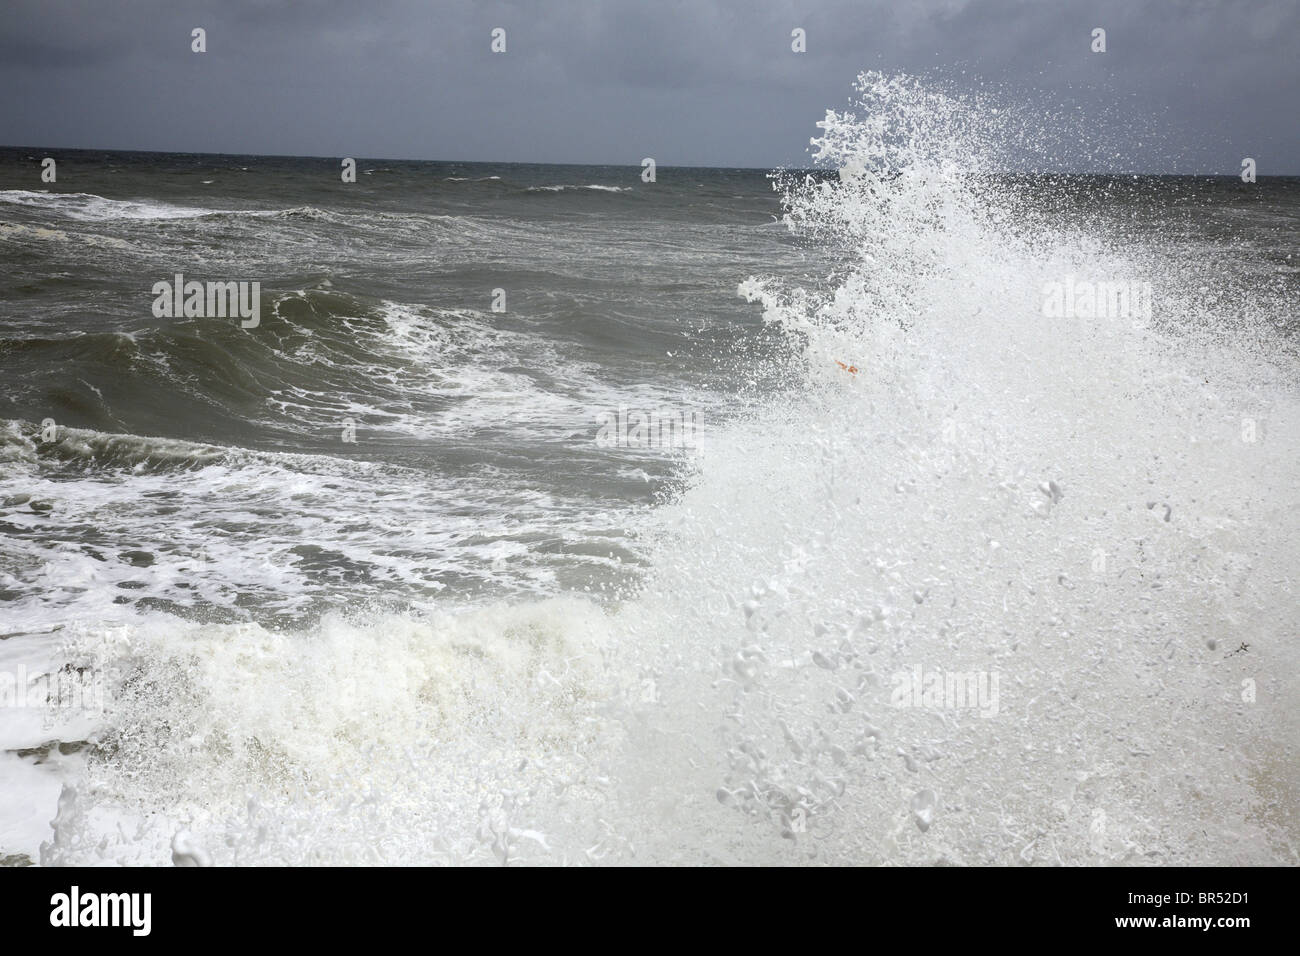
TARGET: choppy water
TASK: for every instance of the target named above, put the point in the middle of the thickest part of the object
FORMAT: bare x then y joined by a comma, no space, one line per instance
476,634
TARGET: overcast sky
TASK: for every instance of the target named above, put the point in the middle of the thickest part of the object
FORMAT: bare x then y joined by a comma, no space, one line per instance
1199,83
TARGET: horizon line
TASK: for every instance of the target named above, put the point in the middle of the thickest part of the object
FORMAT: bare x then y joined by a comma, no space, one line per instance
633,165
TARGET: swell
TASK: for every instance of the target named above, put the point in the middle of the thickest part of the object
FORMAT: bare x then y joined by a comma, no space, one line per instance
316,346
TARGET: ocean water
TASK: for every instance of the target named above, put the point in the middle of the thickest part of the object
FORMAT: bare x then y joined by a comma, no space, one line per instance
475,633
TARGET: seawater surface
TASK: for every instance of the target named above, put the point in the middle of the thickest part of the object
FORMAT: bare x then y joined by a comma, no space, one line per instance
942,578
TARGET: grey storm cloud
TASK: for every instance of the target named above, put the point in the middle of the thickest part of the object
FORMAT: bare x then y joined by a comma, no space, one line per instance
1185,85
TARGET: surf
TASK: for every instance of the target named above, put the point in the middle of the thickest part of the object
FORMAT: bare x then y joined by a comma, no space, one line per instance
1063,507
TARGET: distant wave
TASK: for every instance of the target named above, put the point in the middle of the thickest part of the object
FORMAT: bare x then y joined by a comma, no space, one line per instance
560,189
91,208
87,207
22,442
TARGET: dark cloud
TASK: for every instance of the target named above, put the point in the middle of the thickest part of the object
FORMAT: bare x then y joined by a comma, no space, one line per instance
1185,84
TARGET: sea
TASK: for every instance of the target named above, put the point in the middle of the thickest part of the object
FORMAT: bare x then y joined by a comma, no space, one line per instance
907,509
